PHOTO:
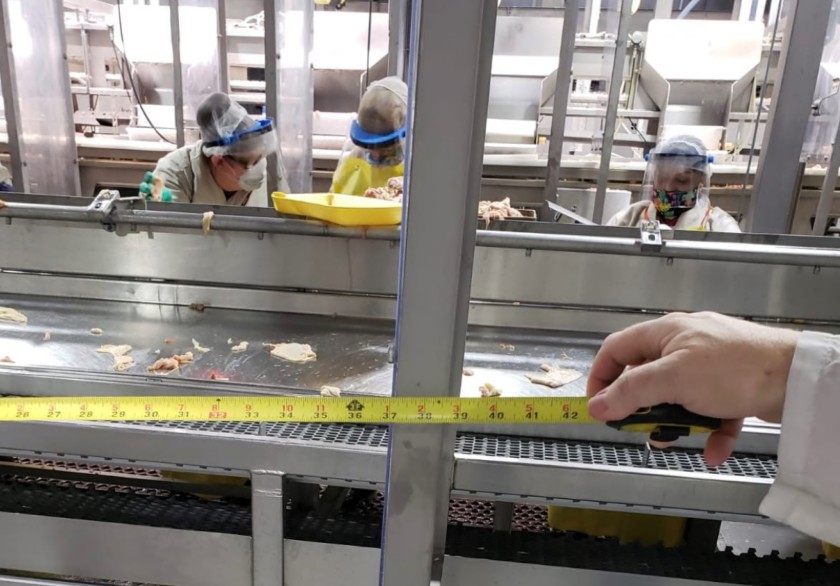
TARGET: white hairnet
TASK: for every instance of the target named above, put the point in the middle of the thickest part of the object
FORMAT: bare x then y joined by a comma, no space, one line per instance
384,105
227,129
686,148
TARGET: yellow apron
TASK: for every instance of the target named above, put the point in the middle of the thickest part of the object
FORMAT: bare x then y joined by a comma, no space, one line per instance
355,176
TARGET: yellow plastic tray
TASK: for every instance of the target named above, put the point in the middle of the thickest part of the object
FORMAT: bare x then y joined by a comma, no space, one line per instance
344,210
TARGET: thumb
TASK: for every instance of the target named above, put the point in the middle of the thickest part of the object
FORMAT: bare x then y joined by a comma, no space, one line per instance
650,384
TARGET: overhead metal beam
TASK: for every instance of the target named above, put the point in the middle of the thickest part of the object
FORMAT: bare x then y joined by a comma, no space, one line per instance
775,188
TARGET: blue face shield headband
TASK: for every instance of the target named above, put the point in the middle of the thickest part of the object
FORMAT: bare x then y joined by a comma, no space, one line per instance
368,140
260,128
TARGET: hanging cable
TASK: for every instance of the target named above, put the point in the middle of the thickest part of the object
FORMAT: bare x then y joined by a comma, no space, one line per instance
130,78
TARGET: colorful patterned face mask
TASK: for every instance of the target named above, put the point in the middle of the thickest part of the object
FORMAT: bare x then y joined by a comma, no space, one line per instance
390,156
672,204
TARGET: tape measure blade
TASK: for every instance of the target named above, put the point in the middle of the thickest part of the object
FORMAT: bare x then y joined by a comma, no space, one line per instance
266,408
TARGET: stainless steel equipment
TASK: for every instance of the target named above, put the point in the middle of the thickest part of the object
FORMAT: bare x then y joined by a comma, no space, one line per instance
144,275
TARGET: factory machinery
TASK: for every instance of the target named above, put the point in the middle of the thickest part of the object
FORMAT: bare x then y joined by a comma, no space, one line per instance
88,499
388,310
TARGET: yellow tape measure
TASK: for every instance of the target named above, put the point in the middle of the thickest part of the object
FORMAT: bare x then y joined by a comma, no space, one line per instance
383,410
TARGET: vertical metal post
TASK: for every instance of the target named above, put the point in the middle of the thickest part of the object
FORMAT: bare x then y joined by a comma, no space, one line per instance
774,188
774,10
272,78
449,49
561,99
592,15
616,81
828,186
73,153
267,527
664,9
8,76
221,29
289,91
177,82
398,17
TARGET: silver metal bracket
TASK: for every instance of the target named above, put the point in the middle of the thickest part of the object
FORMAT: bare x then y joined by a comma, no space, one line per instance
651,236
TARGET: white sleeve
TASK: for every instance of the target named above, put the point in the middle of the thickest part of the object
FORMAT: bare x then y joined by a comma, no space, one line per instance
806,493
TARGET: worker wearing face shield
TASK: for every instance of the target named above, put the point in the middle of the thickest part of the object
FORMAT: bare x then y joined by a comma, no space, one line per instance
228,165
675,191
374,153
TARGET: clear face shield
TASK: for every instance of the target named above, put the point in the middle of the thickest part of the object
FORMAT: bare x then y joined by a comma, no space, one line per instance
675,183
244,153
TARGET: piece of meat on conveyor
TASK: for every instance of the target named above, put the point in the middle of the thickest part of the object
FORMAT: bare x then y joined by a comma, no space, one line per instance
352,354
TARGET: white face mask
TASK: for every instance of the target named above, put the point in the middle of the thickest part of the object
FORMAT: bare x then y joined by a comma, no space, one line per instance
253,178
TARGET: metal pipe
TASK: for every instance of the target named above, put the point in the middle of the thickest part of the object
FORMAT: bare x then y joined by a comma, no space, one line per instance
829,183
177,82
616,81
678,249
561,99
697,250
687,10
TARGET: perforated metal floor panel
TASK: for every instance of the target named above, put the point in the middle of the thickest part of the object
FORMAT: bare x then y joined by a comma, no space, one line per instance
548,450
532,449
354,435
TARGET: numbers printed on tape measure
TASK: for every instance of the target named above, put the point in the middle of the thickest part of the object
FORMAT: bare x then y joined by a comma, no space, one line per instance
395,410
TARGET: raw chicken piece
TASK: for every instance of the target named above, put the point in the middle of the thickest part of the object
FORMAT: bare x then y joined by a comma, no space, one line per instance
96,331
114,350
198,347
47,337
169,341
12,315
488,390
293,352
185,358
393,190
205,222
164,365
328,391
469,372
122,363
496,210
7,360
218,375
240,347
554,377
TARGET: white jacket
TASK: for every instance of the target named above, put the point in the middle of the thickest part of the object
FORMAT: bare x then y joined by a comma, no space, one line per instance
806,493
186,172
702,216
